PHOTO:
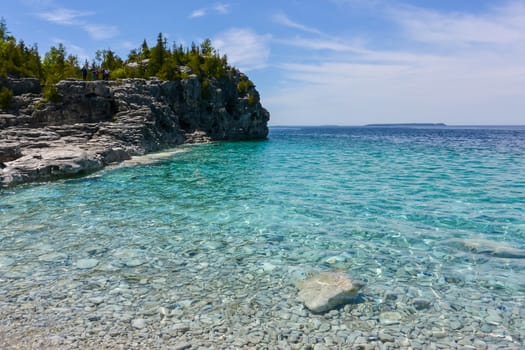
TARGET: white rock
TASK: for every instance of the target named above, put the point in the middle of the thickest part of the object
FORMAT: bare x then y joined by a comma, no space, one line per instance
138,323
335,259
390,317
327,290
86,263
268,267
134,262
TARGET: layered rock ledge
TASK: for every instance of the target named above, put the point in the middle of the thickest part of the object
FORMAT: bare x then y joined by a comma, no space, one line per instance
96,123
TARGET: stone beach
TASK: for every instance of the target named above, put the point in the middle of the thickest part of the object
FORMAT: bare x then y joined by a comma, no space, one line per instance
221,294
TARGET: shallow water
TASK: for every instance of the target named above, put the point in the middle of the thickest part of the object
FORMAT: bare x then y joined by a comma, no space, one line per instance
204,246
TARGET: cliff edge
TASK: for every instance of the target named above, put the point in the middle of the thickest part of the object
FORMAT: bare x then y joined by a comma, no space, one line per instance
92,124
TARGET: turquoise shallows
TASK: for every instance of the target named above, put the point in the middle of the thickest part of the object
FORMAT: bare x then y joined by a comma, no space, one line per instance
437,213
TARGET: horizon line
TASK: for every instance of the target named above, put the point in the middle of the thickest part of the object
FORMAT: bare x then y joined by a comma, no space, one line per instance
441,125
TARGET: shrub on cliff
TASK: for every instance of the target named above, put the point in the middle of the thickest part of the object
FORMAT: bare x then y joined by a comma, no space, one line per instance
50,93
6,96
243,86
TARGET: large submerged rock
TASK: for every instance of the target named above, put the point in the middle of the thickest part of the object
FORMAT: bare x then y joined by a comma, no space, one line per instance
327,290
95,123
488,247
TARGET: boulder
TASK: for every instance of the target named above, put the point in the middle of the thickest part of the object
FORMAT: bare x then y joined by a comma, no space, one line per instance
9,152
49,164
327,290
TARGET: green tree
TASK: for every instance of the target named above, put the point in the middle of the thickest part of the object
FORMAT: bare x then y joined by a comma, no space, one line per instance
144,51
108,59
16,58
133,56
57,65
3,29
54,63
158,54
206,48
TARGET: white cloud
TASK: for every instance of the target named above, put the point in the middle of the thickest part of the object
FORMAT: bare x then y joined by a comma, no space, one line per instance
100,31
128,45
504,25
244,48
331,44
64,16
219,8
222,8
349,93
284,20
198,13
69,17
472,73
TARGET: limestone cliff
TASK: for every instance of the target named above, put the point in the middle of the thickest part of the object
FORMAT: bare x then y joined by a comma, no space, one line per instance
95,123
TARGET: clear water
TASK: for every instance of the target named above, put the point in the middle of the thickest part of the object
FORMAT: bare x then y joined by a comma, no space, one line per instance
391,206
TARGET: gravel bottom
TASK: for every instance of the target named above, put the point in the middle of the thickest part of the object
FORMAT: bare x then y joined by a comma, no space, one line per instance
215,301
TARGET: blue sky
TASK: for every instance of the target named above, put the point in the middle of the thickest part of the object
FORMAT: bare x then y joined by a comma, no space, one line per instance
345,62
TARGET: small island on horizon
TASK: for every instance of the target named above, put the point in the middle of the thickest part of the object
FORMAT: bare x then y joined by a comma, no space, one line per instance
404,125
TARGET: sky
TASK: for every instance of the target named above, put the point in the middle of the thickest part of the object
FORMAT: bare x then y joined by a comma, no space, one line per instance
322,62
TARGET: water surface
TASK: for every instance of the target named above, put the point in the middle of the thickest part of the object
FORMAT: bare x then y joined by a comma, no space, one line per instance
432,214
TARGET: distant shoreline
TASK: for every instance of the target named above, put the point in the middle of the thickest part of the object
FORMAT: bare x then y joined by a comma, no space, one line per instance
402,125
394,125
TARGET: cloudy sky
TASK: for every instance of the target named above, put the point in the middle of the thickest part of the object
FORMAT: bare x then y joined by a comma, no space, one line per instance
345,62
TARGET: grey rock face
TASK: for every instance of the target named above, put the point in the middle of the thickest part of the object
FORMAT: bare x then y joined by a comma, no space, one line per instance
95,123
22,85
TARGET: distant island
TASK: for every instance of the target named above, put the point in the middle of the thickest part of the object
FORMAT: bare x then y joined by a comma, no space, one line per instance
408,125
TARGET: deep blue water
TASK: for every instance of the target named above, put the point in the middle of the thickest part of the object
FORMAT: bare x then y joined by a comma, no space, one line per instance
437,210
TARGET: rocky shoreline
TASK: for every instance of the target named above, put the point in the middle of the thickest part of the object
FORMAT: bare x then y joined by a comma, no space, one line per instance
96,123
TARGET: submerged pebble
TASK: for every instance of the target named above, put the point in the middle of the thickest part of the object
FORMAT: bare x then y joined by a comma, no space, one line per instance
86,263
139,323
6,261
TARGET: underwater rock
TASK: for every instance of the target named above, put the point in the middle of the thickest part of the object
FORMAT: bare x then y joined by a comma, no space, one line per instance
390,317
421,303
488,247
86,263
327,290
139,323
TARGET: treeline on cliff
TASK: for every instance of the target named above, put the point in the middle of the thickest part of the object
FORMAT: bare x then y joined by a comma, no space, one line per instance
19,60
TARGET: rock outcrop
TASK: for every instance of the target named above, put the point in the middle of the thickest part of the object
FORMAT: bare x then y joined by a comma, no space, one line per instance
327,290
96,123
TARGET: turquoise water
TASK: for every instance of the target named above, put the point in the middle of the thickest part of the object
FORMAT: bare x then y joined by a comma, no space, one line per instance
428,213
